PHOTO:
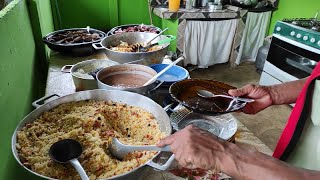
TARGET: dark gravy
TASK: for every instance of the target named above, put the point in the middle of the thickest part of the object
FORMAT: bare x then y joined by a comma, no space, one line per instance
126,80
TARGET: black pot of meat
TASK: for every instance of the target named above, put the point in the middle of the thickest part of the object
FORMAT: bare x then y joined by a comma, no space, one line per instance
75,41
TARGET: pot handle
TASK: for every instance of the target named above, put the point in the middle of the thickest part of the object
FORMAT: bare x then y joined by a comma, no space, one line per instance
168,107
164,166
168,40
155,88
97,46
37,104
66,68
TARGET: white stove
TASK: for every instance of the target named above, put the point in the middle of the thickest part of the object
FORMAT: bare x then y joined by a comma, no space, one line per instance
294,51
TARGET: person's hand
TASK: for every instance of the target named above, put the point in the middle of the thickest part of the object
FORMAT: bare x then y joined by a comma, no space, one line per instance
195,148
261,95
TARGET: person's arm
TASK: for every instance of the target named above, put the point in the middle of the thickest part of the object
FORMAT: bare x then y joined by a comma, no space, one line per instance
286,93
266,96
241,163
195,148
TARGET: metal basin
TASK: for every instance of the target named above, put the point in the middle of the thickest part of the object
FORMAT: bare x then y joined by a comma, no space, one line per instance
128,98
145,58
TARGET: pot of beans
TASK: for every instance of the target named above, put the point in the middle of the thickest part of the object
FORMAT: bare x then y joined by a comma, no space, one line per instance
128,77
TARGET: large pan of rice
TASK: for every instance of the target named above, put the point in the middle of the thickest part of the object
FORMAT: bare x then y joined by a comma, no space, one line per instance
92,118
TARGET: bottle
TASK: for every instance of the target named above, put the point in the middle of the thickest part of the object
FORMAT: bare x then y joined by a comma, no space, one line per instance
189,4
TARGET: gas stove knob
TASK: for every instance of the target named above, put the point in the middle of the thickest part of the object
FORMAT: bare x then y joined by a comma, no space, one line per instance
292,33
305,38
312,40
318,43
299,36
278,29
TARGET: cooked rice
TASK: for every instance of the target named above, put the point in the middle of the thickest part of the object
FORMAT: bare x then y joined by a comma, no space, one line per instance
93,124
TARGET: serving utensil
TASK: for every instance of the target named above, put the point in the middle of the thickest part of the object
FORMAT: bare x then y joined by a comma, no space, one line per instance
208,94
157,35
167,40
67,151
120,150
164,70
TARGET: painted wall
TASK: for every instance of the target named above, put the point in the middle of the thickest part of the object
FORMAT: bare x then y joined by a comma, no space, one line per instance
294,9
21,81
100,14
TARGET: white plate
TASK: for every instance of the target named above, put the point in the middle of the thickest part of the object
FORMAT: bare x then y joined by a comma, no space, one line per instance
224,126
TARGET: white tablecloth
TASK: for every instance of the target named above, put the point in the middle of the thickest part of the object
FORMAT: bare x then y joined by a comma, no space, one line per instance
208,42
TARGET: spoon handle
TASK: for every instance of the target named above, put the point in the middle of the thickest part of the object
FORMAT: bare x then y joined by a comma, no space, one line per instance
148,148
76,164
237,98
245,99
157,35
164,70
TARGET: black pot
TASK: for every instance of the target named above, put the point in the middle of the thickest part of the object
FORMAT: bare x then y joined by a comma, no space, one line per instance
74,49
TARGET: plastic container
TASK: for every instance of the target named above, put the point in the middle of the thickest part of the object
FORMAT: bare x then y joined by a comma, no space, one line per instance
174,5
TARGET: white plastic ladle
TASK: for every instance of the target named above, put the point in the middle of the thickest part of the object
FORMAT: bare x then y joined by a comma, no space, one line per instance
164,70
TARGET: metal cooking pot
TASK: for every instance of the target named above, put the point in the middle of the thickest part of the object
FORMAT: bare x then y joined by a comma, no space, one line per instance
75,49
128,69
113,30
80,83
146,58
129,98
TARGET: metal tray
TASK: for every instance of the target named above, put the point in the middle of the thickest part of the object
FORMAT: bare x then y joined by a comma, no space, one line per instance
224,126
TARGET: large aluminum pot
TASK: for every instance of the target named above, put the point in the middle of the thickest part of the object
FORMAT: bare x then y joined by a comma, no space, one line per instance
146,58
85,81
128,70
108,95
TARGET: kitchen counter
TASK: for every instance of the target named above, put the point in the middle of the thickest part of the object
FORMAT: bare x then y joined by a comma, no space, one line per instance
62,84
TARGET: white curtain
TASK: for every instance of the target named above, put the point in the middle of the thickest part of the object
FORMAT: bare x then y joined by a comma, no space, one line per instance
255,31
208,42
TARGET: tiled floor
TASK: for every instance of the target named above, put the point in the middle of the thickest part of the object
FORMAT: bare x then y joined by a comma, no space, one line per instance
268,124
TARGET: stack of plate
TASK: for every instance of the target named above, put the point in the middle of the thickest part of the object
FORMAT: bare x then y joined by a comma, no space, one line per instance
224,126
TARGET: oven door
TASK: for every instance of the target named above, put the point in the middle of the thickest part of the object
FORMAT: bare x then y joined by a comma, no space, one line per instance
291,57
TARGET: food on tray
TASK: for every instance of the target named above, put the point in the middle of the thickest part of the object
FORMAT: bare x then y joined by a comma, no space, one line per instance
139,28
84,71
125,47
93,124
74,36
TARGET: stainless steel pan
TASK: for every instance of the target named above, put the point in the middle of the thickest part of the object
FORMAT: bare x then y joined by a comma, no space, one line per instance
147,58
112,95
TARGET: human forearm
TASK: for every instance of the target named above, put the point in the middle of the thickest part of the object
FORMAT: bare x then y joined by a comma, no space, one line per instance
286,93
241,163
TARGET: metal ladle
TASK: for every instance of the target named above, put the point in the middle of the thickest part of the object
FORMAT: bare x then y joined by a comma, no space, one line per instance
120,150
67,151
208,94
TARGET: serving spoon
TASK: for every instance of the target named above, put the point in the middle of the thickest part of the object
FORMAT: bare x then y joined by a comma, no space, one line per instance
208,94
68,151
120,150
167,40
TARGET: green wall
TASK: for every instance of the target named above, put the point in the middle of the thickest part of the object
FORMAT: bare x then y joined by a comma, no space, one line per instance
295,9
100,14
21,80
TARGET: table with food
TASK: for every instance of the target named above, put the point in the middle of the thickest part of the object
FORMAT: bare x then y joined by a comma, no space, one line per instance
117,98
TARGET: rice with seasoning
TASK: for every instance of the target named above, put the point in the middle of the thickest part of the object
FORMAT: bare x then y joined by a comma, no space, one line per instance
93,124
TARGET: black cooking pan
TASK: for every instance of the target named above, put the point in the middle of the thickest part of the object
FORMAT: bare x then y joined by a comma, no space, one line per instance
185,93
74,49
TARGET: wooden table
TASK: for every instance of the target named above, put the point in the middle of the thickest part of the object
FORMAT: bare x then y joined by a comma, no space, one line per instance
62,84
